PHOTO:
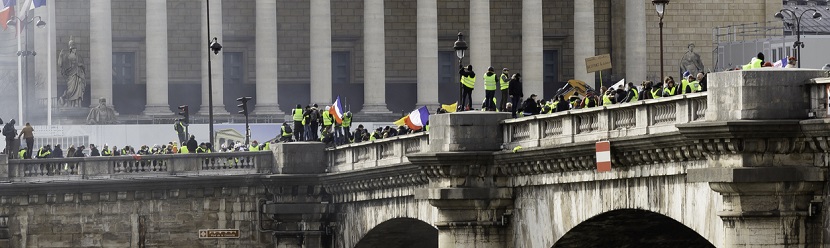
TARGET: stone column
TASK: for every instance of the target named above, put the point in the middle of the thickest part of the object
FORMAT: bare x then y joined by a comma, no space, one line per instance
157,74
320,52
100,56
217,60
479,41
427,53
374,58
583,39
532,48
266,58
41,48
635,41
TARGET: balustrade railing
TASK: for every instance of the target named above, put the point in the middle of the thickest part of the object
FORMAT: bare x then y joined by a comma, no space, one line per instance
214,164
376,153
592,124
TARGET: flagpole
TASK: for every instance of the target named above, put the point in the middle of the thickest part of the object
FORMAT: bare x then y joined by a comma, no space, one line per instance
50,55
19,73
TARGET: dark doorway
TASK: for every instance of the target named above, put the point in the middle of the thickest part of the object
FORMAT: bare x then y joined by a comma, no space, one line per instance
401,233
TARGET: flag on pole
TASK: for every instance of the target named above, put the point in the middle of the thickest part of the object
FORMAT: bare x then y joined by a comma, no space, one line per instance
416,120
780,63
336,110
38,3
7,12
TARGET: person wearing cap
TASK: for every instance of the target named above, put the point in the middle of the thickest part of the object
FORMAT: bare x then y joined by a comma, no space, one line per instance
489,89
504,85
328,119
468,82
531,107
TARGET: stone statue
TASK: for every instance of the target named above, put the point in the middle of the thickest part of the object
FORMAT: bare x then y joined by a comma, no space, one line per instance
101,114
72,67
691,61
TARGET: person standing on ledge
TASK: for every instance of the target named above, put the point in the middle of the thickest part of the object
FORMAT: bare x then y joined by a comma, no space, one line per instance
28,134
515,90
468,82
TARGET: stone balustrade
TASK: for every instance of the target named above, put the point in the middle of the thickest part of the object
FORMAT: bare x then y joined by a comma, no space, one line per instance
148,166
651,116
382,152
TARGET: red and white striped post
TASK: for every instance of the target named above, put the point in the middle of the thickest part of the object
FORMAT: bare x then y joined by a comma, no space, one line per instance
603,156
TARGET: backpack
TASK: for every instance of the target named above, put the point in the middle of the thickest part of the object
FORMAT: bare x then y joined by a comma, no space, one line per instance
288,129
8,130
315,115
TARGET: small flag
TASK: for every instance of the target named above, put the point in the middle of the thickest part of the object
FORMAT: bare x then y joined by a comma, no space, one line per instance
336,110
38,3
603,156
450,108
6,14
780,63
416,120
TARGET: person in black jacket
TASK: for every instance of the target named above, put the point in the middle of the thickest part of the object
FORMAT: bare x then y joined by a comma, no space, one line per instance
93,151
192,144
466,92
515,91
57,152
79,153
530,106
562,105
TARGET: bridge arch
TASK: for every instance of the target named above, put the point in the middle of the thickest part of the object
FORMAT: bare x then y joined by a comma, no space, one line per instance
631,228
401,232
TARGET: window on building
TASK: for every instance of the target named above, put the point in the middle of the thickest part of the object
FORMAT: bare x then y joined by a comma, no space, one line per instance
234,68
123,68
341,67
550,65
447,67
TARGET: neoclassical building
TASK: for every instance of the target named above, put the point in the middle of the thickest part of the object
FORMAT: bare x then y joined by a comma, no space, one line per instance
380,56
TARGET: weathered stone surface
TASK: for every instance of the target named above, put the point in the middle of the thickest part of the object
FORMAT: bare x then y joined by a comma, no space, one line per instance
466,131
299,158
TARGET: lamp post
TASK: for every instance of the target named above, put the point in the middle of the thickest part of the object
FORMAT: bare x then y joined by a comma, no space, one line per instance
215,47
14,21
460,48
798,44
661,8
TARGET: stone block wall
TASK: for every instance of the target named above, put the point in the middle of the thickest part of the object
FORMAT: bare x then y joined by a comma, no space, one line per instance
155,218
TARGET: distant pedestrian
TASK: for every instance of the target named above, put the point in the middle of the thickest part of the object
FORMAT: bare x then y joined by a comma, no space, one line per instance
79,153
192,144
297,115
57,152
70,153
489,89
504,86
93,151
10,133
28,134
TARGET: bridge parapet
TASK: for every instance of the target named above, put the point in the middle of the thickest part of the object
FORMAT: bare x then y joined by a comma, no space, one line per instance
383,152
652,116
128,167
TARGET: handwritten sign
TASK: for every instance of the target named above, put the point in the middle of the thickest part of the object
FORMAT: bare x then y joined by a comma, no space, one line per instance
219,233
598,63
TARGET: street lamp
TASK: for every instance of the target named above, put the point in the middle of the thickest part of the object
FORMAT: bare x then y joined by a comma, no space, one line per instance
661,8
460,48
798,44
215,47
14,21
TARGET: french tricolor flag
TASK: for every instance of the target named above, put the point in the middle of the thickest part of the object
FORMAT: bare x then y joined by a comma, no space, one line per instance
336,110
416,120
780,63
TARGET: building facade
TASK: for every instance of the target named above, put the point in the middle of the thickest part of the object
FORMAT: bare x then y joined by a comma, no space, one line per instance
380,56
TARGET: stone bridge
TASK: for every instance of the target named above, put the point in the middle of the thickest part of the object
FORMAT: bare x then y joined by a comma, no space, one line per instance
743,165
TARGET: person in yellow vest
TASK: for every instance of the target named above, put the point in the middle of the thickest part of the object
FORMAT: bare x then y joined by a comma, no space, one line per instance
265,146
489,89
607,97
656,90
689,85
468,82
297,115
328,119
183,150
347,123
670,89
22,153
44,151
254,147
504,85
106,151
755,62
633,94
285,133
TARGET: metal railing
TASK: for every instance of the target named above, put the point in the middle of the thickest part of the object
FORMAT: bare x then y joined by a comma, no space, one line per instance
382,152
592,124
148,166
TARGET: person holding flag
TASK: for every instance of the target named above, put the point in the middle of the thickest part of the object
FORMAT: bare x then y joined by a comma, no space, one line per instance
335,115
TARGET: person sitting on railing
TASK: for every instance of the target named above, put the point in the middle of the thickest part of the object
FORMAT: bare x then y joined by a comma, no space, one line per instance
377,134
656,90
607,97
71,151
530,106
670,89
57,152
144,150
357,136
23,152
286,133
202,148
254,147
633,95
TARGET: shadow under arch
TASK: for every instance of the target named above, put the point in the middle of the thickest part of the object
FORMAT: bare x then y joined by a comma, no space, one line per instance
401,233
631,228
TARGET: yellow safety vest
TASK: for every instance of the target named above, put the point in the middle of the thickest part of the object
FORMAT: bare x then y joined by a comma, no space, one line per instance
22,153
298,114
654,94
253,148
504,81
606,100
347,121
669,91
490,82
284,133
183,150
43,153
469,82
636,96
695,86
753,64
326,118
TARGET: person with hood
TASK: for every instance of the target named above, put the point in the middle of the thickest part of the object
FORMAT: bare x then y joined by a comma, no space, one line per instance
10,133
93,151
57,152
79,153
516,93
192,144
468,82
